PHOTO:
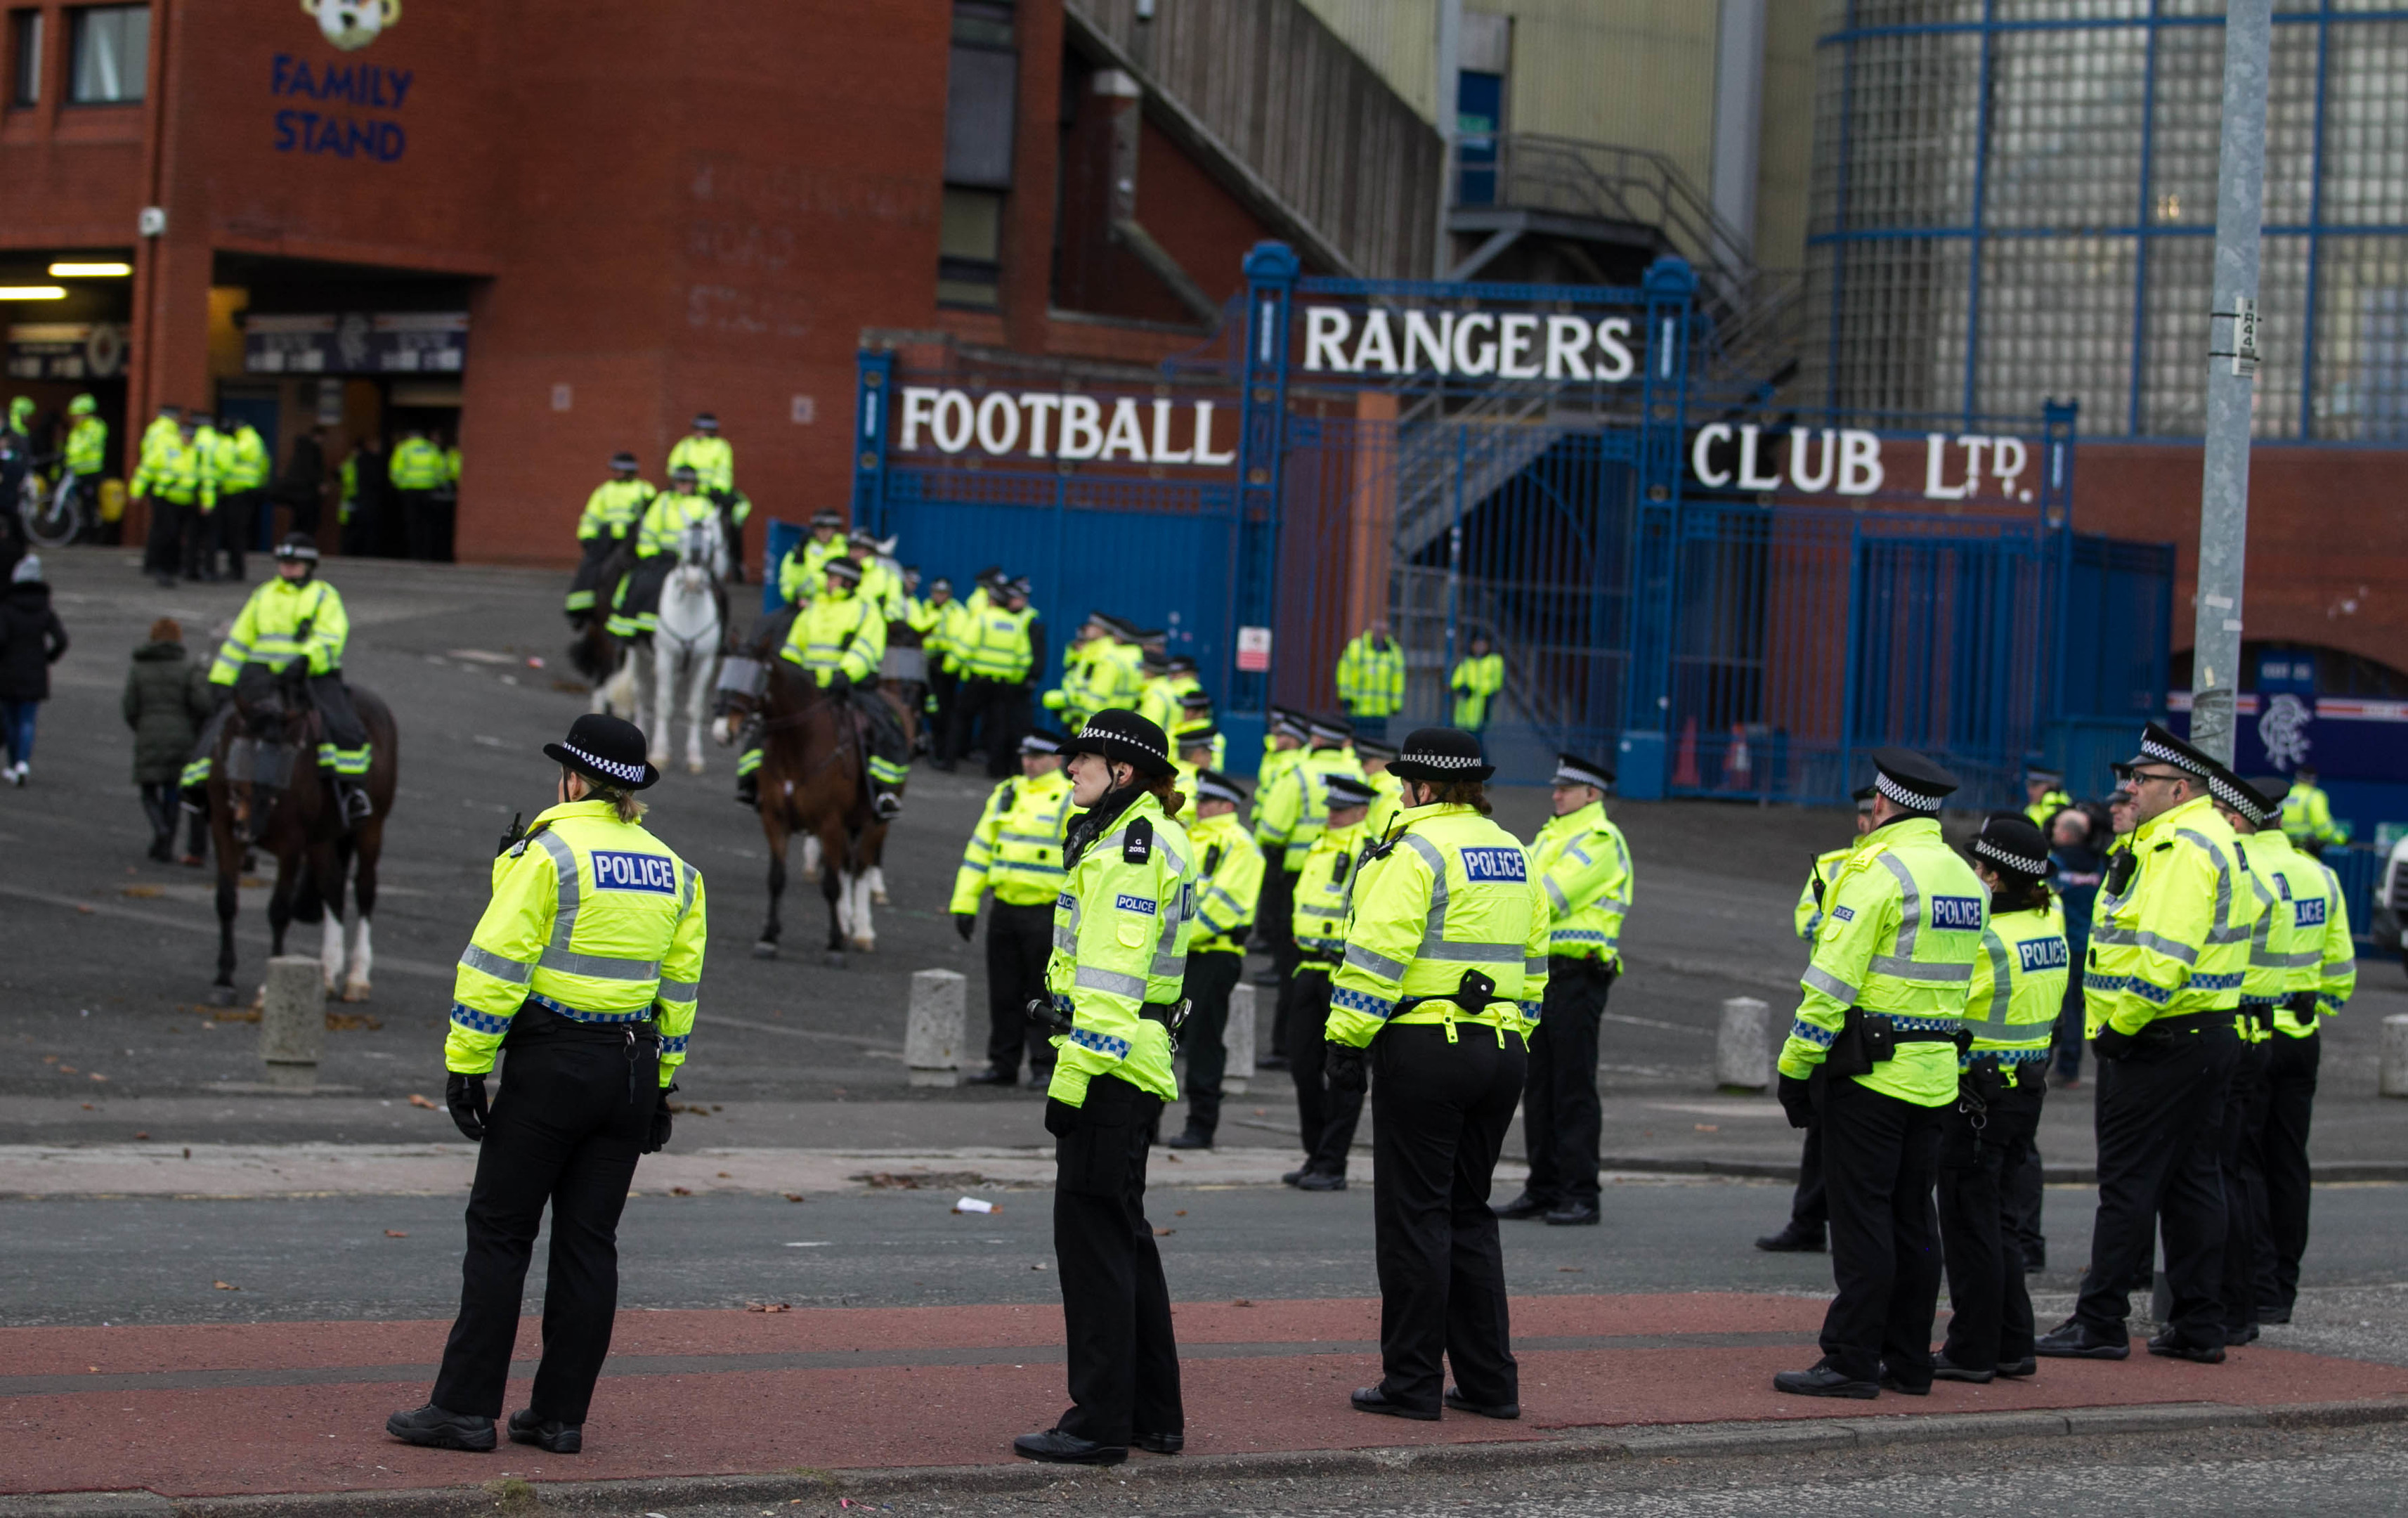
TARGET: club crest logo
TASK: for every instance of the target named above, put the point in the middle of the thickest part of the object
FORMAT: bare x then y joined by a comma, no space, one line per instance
352,25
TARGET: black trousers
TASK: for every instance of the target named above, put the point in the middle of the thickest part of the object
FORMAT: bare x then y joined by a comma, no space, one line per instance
1880,1156
1275,925
991,713
1325,1120
177,533
2290,1102
1561,1119
1992,1323
2020,1187
1019,941
1211,976
423,520
565,1131
1809,1208
1124,1359
1439,1115
162,804
237,523
2158,1118
2240,1154
256,687
943,684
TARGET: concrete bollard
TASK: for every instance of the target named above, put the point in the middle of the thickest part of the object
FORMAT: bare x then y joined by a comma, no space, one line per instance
2394,1079
1743,1047
293,1021
932,1040
1239,1040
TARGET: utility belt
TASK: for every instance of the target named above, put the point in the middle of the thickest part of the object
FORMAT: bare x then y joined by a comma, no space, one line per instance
1469,1002
1989,1075
541,1020
1868,1039
2260,1014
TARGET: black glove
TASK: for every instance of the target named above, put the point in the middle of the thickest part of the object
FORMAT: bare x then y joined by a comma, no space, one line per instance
658,1138
966,924
1343,1069
839,682
464,1094
1041,1012
2114,1044
1798,1100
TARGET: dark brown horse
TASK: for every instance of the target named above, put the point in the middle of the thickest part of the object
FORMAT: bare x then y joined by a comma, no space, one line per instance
814,781
593,653
267,791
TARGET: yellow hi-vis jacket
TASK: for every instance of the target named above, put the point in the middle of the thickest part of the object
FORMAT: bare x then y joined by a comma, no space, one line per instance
2303,936
1807,915
1268,770
1475,683
156,433
1292,812
1324,891
2047,806
712,460
804,570
614,508
1121,931
1901,927
998,646
239,459
2175,941
2307,817
88,446
1584,866
1228,879
1015,850
177,469
2018,984
1448,891
837,632
592,918
957,629
2337,980
1372,677
417,465
1387,801
665,520
284,621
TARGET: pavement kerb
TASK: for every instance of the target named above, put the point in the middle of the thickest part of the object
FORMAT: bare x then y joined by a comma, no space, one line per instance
1567,1447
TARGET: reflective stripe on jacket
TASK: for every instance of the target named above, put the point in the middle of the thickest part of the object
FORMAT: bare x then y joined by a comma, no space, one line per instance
1372,677
1228,881
2304,934
614,507
711,458
269,630
2307,817
1583,869
1000,648
1322,890
804,570
1015,850
1121,931
1475,682
1292,811
592,918
88,446
417,465
2018,984
1807,915
2177,940
838,632
666,518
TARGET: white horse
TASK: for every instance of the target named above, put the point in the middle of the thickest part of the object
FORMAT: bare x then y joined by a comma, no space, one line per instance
687,643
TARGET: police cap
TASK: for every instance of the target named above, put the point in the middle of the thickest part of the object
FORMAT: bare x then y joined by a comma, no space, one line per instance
1041,742
1121,737
2009,844
1199,736
2231,790
1371,751
706,422
1910,781
1571,770
297,548
1346,791
1021,587
1435,755
844,569
1330,729
683,471
2273,788
2158,745
1195,699
827,519
1211,786
624,460
1863,797
607,748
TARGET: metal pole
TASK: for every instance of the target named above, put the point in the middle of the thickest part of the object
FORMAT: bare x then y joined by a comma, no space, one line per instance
2232,367
1450,63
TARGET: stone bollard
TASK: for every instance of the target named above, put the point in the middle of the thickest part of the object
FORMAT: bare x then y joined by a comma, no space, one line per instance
2394,1079
1743,1047
293,1021
932,1040
1239,1040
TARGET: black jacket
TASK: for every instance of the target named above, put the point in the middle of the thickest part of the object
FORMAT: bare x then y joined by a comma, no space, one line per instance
31,640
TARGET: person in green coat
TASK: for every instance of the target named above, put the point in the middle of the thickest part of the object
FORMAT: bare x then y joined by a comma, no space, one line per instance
167,699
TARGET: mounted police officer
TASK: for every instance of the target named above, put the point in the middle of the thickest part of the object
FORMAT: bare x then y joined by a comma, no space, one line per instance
586,967
610,519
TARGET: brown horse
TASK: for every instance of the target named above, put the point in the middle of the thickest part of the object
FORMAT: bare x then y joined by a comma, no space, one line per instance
593,652
266,792
814,780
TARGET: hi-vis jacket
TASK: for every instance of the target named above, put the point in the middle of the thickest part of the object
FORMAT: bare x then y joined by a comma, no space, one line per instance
1227,879
1292,811
1372,677
1901,927
804,570
2175,940
271,630
2302,935
592,918
1016,848
614,508
1808,914
1387,801
838,632
1324,890
1584,866
710,457
1448,892
665,520
1121,930
2018,984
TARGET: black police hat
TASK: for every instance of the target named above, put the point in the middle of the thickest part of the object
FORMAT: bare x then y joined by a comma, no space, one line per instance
827,519
297,547
843,568
607,748
1863,797
1346,791
1571,770
683,471
1196,698
624,460
1122,737
1330,729
1437,755
1211,786
2044,774
2160,745
705,422
2273,788
1155,663
1370,749
1041,742
2009,844
1910,780
1290,723
1199,736
1182,664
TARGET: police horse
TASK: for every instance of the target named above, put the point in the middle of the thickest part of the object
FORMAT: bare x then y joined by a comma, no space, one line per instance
689,638
267,791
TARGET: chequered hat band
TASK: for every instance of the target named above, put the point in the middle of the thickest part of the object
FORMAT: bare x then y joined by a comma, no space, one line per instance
1091,730
1911,800
2151,748
1442,761
1570,775
2008,857
630,773
2241,799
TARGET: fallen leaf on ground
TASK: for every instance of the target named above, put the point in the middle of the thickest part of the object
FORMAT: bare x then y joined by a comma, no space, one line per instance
794,1195
1180,1213
1164,1233
722,1175
767,1307
680,1191
416,1100
1262,1111
1243,1301
141,1136
350,1023
223,1287
1709,1127
1570,1270
81,908
1174,1159
88,1107
69,1069
98,1076
395,1233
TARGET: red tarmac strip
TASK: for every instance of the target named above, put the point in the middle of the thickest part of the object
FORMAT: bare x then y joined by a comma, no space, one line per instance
1267,1387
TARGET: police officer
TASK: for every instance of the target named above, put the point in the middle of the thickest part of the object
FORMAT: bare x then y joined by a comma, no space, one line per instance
1120,956
1372,679
585,966
2043,795
1475,681
999,647
2010,1008
87,455
1326,1113
1015,853
2307,814
2282,960
840,640
173,467
713,463
801,571
610,515
1445,967
1810,1213
1228,879
1583,866
635,605
2168,951
294,623
1290,811
418,472
1283,740
1872,1055
238,459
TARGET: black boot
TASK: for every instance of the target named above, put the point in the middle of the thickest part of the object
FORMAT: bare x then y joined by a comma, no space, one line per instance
438,1428
1195,1138
748,789
558,1438
1795,1237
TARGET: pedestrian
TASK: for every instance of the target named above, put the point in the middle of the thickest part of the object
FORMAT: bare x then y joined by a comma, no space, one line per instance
1372,679
1228,879
1873,1055
1810,1211
1113,983
2162,986
166,701
585,968
370,514
1326,1112
1475,679
1445,967
1582,866
1283,740
1015,853
999,649
2018,982
32,640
